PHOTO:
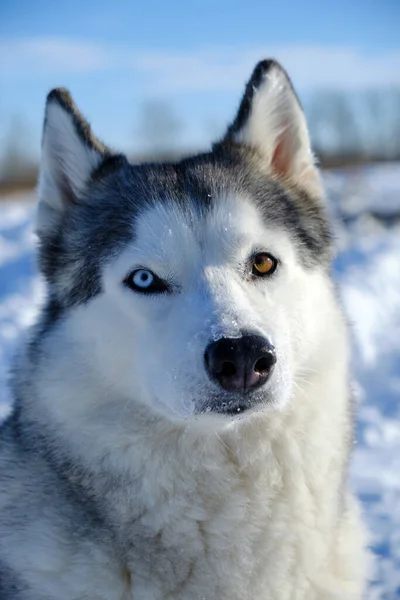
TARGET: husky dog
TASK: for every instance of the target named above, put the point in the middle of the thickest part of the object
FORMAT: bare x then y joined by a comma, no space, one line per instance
183,419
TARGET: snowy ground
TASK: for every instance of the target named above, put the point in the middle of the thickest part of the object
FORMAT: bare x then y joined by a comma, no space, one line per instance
368,272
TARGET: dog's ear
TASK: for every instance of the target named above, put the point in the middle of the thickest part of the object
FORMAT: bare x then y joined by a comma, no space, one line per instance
271,119
70,154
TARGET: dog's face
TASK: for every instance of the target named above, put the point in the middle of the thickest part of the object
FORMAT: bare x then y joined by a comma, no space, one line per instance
185,287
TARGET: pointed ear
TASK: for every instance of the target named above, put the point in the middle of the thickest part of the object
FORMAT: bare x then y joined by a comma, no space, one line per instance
70,154
271,120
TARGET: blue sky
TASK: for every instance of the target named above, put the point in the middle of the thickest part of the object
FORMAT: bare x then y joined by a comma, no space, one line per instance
195,55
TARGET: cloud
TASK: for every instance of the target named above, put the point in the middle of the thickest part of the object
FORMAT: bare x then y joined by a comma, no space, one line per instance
49,55
209,69
308,66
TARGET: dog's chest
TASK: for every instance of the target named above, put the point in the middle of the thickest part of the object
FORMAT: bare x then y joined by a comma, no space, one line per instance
187,549
221,523
221,539
222,529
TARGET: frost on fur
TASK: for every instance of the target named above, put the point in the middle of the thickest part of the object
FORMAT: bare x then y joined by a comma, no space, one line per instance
271,120
70,154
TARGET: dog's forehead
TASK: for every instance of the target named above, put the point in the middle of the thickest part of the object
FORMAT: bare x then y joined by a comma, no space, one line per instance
230,223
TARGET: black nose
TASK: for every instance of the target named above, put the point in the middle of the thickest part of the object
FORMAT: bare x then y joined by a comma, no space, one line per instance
240,364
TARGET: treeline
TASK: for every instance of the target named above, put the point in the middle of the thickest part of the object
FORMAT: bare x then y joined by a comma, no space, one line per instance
345,128
355,128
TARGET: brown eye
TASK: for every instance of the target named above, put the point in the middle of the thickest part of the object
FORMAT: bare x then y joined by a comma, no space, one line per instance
264,264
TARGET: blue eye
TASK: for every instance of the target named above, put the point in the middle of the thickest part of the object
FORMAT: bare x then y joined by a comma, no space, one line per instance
145,282
142,279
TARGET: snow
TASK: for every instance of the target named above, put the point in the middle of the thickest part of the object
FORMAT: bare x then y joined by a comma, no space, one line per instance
368,273
20,286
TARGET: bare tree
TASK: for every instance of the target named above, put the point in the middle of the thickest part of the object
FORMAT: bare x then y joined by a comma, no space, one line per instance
355,127
17,164
159,127
333,125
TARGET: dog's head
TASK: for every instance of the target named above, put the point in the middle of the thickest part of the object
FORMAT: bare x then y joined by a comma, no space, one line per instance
186,287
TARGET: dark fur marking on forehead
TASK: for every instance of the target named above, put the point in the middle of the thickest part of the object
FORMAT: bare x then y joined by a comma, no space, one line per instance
233,169
95,229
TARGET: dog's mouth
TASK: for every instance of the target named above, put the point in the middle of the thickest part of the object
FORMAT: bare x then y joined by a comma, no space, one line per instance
233,408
